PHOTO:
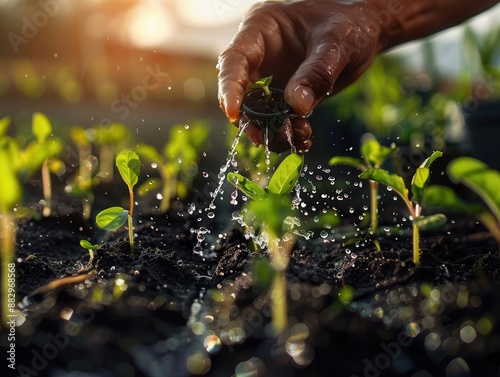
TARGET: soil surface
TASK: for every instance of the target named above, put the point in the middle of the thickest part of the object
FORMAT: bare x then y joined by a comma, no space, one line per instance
166,311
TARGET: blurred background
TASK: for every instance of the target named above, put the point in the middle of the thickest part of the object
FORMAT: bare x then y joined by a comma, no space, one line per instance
150,64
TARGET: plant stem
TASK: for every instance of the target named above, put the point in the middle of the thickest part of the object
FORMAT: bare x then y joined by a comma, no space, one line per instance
47,188
279,303
8,236
374,205
130,214
416,244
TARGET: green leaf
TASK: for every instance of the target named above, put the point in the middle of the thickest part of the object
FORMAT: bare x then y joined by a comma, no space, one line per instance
271,211
149,153
384,177
444,197
249,188
10,187
129,166
480,178
261,83
87,245
431,222
4,124
349,161
419,183
286,175
429,160
41,127
375,153
111,218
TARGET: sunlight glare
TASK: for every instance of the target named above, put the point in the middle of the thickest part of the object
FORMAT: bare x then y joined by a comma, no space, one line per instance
150,24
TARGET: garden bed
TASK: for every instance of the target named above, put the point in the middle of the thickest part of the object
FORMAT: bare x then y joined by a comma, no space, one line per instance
165,311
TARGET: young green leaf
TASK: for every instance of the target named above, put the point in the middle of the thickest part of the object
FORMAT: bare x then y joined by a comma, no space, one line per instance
262,82
429,160
272,211
286,175
41,127
349,161
149,153
431,222
375,153
87,245
384,177
419,183
111,218
445,197
246,186
480,178
129,166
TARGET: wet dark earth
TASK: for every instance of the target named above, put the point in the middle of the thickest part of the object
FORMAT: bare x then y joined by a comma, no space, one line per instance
166,311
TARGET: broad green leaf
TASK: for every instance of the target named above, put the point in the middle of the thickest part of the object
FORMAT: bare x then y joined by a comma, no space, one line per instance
384,177
431,222
271,211
129,166
149,153
419,183
111,218
286,175
262,82
87,245
444,197
429,160
249,188
4,124
375,153
347,160
480,178
41,126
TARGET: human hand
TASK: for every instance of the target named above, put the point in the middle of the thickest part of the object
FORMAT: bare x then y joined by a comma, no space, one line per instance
312,49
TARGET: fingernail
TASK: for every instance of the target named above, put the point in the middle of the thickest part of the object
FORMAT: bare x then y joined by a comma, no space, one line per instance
304,98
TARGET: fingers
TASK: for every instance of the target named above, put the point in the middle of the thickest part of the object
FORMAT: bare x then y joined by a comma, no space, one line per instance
315,77
297,135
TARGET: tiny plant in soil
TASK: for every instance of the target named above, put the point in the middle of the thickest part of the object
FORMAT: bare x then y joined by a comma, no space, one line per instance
418,185
90,248
272,211
178,164
374,155
112,218
263,83
45,149
482,180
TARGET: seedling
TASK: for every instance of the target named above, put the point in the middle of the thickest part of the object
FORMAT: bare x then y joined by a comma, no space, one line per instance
90,248
83,182
43,152
418,186
263,83
482,180
177,166
112,218
272,210
374,155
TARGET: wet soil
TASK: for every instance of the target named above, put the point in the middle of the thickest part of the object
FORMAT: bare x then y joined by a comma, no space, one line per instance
166,311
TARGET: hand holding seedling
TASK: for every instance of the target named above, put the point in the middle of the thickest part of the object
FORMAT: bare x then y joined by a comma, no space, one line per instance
316,48
112,218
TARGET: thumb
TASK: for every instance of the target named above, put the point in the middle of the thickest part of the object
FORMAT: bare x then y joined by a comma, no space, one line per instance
314,79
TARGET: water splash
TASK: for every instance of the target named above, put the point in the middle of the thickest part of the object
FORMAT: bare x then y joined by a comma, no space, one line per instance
289,136
200,237
230,160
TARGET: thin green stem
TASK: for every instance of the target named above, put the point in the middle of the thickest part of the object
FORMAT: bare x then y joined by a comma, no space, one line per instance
130,223
279,302
416,243
46,188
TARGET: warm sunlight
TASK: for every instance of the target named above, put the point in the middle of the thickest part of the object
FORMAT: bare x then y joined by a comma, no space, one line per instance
150,24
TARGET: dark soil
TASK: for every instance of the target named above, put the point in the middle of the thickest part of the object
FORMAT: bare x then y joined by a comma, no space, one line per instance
165,311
